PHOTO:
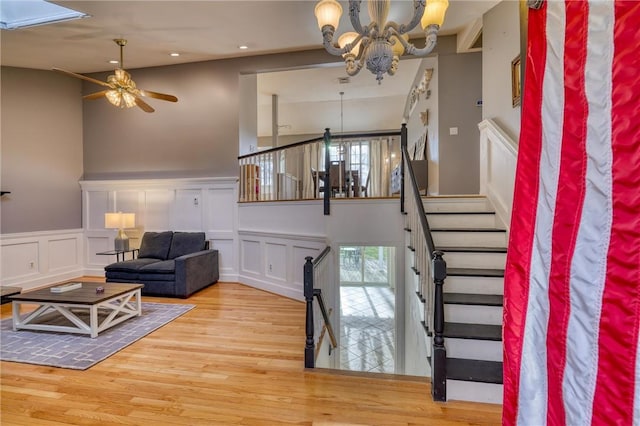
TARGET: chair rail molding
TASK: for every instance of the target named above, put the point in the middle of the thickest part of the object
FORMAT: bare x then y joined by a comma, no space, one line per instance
185,204
35,259
498,158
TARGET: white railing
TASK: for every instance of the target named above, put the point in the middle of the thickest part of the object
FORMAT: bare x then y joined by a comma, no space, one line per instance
498,158
358,166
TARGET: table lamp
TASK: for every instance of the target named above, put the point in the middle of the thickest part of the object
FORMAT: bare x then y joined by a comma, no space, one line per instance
120,221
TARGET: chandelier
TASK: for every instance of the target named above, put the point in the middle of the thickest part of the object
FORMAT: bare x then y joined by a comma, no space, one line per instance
379,45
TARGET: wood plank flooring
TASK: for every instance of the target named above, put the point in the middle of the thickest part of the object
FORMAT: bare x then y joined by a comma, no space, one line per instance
236,359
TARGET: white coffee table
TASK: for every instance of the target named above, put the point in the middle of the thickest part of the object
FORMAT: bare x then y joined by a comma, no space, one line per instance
118,303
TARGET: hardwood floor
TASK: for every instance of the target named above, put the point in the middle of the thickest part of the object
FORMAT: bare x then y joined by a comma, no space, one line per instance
237,358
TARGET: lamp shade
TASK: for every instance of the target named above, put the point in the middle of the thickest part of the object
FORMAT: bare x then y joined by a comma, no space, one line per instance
434,13
113,220
328,12
347,38
398,48
128,220
119,220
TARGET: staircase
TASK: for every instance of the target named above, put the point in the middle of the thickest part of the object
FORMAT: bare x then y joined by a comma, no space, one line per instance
466,230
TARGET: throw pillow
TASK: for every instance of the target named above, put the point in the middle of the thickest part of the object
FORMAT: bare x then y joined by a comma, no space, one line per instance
186,243
155,245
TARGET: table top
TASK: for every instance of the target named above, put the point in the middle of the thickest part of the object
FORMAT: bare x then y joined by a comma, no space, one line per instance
86,295
118,251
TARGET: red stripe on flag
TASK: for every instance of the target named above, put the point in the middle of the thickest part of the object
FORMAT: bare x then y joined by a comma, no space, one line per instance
619,323
523,217
569,203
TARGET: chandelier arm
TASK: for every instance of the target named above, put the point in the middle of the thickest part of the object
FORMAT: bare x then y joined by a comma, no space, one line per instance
431,39
354,15
327,41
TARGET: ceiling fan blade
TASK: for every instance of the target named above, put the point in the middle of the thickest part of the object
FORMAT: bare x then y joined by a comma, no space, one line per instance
156,95
143,105
84,77
96,95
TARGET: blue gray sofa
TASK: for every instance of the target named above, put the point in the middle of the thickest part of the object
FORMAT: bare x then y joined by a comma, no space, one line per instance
174,264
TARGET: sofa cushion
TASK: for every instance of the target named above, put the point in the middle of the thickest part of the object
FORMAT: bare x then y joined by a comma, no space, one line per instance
186,243
132,265
155,245
121,276
163,267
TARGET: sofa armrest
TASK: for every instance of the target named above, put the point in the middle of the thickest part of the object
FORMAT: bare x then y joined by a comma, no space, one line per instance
195,271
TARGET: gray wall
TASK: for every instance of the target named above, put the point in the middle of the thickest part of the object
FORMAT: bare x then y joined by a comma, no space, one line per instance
459,88
41,115
501,44
198,136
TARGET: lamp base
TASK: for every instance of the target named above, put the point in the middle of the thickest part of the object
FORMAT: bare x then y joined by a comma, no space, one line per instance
121,241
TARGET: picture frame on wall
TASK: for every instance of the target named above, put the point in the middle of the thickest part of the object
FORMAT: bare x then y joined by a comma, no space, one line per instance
516,89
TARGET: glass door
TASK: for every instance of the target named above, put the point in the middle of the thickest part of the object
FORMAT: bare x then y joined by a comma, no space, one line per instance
367,309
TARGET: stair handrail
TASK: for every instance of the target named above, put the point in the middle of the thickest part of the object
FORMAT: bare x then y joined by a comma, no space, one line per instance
406,161
438,269
310,292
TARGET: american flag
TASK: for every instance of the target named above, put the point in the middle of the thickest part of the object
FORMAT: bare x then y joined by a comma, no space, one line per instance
572,282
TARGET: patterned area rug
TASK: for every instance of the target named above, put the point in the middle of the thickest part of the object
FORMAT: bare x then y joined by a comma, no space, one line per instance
80,352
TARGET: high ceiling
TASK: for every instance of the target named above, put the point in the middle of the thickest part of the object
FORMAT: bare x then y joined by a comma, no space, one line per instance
212,29
198,30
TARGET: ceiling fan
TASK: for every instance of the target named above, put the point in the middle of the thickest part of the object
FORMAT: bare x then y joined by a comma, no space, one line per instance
122,91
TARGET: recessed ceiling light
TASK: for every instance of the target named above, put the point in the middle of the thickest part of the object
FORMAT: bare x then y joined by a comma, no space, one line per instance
243,47
174,54
113,61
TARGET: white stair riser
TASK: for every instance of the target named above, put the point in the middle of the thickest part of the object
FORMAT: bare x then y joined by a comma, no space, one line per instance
473,314
486,350
474,285
469,239
458,390
475,260
456,205
455,221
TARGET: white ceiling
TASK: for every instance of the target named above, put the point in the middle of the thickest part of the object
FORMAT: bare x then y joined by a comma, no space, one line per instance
212,29
198,30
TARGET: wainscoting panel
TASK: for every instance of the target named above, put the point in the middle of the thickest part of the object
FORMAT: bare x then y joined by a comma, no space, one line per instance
498,158
34,259
227,258
156,213
250,257
96,203
188,210
274,261
63,254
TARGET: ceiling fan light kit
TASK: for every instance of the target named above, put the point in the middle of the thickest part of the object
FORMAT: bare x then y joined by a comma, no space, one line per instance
379,45
122,91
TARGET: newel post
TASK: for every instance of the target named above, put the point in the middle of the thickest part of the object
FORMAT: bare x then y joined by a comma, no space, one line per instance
439,373
309,347
403,149
327,168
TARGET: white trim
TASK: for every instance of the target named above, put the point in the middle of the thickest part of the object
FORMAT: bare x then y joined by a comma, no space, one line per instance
95,185
498,158
468,36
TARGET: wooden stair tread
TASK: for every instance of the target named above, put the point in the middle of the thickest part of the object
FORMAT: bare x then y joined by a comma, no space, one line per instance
475,272
457,330
473,370
473,299
473,249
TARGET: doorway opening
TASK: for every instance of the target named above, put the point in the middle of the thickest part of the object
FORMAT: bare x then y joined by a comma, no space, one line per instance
367,309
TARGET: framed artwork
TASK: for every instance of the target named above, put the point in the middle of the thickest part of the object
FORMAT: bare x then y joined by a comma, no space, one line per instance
516,81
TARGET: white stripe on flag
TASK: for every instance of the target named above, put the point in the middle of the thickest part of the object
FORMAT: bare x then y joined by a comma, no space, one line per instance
532,395
588,266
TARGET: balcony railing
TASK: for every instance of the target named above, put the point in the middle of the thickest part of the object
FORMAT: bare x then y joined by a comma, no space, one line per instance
357,166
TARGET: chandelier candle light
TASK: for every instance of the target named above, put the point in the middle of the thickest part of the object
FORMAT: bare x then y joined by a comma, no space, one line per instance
120,221
380,44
